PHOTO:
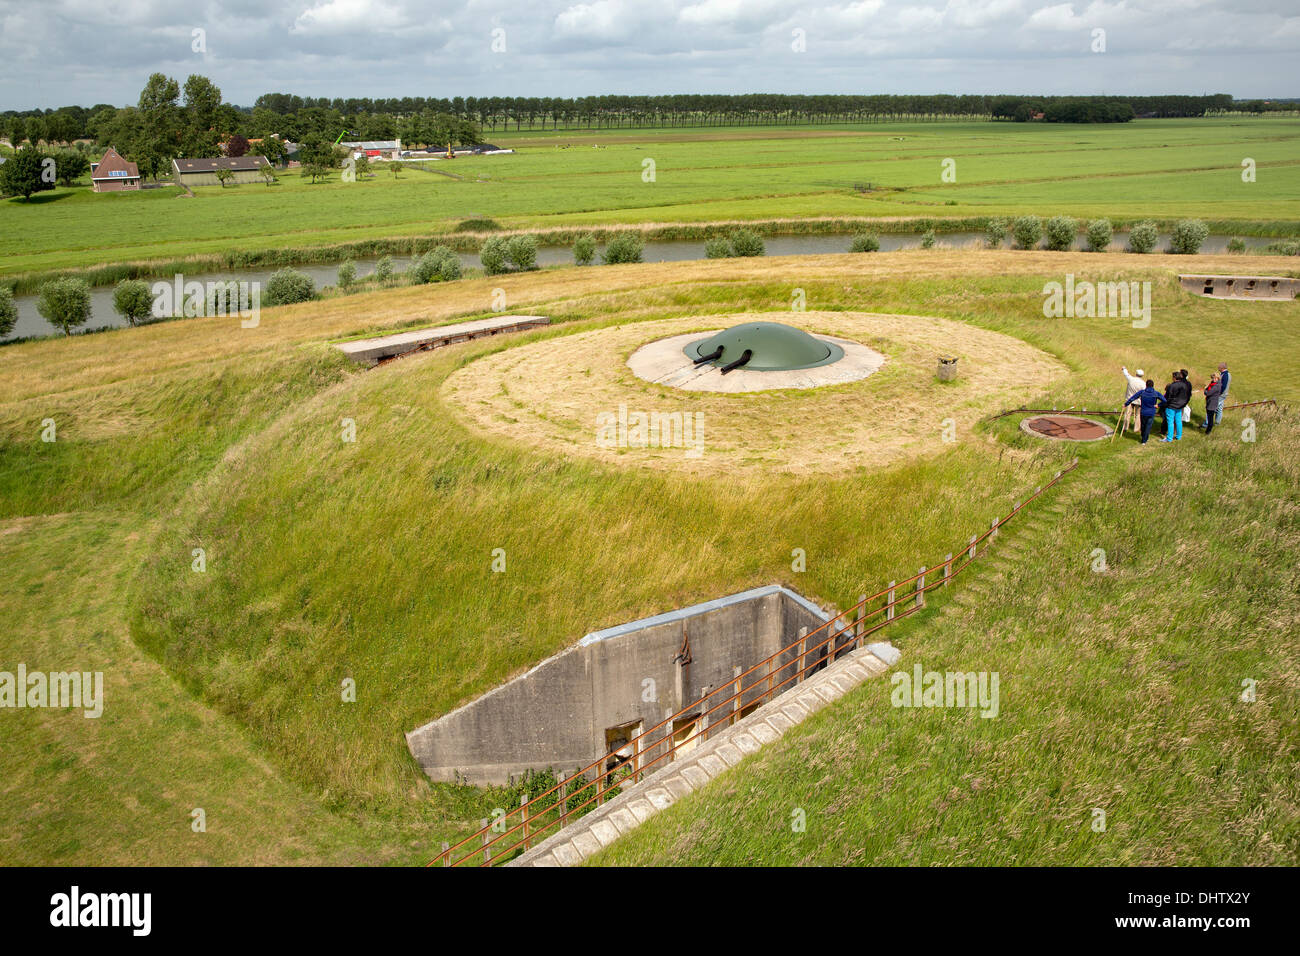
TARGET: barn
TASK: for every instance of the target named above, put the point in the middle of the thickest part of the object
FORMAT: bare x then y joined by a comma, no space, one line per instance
203,172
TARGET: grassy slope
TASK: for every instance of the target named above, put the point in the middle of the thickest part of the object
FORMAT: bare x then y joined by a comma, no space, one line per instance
1119,691
299,527
1166,169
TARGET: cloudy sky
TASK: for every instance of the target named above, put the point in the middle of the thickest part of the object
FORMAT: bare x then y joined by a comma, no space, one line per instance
56,52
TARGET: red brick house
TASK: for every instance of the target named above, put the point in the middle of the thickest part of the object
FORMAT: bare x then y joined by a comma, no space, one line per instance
113,174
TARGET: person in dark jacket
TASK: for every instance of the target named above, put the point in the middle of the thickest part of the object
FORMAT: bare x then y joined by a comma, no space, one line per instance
1212,398
1150,400
1177,394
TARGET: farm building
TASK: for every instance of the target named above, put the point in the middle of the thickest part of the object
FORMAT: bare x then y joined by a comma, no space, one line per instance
203,172
113,174
376,148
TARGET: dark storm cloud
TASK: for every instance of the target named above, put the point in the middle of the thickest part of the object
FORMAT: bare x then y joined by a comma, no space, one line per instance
88,51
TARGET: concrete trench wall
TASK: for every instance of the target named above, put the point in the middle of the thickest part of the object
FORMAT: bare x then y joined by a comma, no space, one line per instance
1276,288
558,713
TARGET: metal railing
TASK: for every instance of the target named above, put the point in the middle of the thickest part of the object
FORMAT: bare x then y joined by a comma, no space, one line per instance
569,797
1099,411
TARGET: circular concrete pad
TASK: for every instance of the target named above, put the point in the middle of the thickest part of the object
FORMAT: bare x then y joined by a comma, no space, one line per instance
1065,428
665,362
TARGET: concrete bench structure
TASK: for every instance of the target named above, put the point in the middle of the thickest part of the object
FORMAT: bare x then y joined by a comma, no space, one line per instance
1263,288
385,347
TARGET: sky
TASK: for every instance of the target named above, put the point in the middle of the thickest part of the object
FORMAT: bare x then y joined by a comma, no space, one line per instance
61,52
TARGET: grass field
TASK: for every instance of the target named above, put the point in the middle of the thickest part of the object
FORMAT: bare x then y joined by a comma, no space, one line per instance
371,560
1164,169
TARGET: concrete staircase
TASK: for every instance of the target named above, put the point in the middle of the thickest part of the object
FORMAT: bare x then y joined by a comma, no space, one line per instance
724,750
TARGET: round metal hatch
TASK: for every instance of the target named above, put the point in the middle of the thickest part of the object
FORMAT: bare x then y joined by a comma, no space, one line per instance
773,347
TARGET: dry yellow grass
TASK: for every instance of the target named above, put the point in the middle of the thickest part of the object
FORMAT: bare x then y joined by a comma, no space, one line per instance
549,394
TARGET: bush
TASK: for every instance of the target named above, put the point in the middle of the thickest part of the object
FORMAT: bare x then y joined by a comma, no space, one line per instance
1061,231
584,250
927,239
8,311
1099,233
717,248
133,300
65,303
625,247
493,256
1143,237
384,268
1236,244
1283,247
347,274
288,286
521,251
1187,237
746,242
995,233
439,264
1027,230
477,225
864,242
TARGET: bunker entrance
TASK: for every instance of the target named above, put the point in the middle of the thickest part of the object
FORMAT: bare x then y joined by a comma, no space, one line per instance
621,683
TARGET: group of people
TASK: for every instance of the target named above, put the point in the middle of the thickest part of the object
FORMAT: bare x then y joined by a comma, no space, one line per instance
1173,405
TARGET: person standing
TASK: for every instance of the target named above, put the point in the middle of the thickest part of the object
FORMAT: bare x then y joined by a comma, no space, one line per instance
1225,378
1177,394
1149,400
1213,396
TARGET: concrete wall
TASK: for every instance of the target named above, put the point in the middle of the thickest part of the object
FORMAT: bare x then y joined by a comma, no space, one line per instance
556,715
1278,288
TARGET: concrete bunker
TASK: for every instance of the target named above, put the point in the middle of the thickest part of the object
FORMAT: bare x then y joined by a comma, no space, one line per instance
598,696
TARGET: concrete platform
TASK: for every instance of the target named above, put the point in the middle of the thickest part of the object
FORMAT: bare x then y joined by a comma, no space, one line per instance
665,363
376,350
1260,288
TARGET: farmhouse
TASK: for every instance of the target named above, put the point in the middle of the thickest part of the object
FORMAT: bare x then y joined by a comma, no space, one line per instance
113,174
376,148
203,172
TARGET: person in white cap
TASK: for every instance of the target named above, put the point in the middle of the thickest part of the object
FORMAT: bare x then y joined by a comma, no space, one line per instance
1133,383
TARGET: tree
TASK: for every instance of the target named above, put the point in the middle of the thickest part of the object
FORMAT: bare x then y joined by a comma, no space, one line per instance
1187,237
267,174
272,148
65,303
1143,237
288,286
223,176
26,172
1099,234
8,311
202,117
133,300
1027,230
1061,231
160,125
70,165
237,146
584,249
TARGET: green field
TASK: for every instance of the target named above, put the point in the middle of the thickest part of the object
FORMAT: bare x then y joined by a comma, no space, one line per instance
1164,169
371,560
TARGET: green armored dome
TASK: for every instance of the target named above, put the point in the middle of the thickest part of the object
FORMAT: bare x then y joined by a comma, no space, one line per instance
773,347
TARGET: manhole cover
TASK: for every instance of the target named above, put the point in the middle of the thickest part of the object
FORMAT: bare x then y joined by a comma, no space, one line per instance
1065,428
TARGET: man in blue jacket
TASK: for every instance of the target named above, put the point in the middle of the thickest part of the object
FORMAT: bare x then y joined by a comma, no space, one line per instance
1150,399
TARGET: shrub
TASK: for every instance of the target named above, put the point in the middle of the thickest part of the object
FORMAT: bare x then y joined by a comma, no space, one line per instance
439,264
288,286
1027,230
347,274
1283,247
746,242
1143,237
1236,244
1099,233
65,303
625,247
384,268
864,242
1061,231
717,248
995,233
493,256
521,251
8,311
927,239
133,300
584,250
478,225
1187,237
